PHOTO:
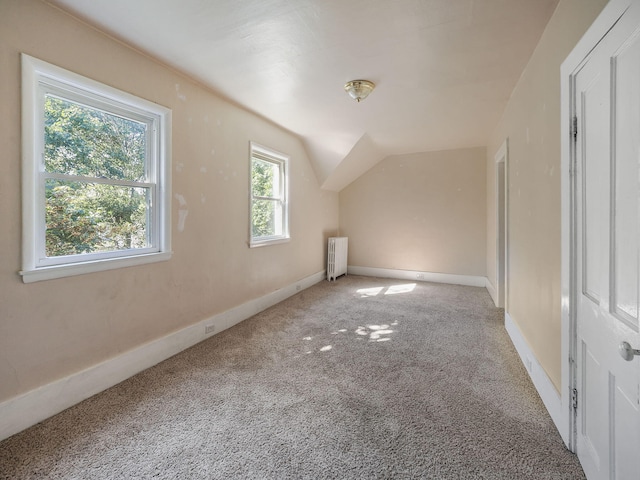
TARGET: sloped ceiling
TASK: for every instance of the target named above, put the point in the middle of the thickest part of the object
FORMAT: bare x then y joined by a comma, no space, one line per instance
444,69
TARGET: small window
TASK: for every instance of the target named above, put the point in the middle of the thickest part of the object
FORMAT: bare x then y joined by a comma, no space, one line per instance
269,205
95,175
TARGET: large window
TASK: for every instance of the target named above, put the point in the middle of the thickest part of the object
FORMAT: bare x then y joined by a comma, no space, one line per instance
95,175
269,206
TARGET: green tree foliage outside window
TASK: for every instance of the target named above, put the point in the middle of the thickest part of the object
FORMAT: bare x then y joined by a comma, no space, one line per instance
93,161
264,176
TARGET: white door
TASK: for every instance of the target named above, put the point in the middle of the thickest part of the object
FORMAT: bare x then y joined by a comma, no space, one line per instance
607,241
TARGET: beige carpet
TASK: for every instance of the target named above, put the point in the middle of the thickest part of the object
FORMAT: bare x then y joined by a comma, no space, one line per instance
360,378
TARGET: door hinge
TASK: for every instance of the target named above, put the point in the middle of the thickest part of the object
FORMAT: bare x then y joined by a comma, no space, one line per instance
574,127
574,398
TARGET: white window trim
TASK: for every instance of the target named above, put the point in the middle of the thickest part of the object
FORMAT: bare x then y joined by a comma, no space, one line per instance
36,75
282,159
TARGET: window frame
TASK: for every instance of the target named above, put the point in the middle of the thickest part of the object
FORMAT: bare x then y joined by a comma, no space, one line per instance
40,79
262,153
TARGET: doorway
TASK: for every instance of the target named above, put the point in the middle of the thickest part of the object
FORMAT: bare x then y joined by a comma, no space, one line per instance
501,225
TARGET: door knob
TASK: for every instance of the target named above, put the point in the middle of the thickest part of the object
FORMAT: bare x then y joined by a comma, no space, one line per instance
627,352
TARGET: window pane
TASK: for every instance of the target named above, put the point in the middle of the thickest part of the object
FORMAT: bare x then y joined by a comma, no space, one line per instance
265,215
92,218
265,179
80,140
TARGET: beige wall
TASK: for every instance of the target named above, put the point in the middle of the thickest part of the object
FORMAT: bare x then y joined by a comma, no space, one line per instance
53,328
531,122
423,212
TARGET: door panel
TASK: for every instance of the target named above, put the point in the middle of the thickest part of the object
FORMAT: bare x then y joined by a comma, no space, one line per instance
595,401
625,437
593,116
626,114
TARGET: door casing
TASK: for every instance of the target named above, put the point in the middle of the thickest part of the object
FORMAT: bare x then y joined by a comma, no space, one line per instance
502,256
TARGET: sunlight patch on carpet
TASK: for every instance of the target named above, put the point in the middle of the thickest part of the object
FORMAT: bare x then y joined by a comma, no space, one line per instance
391,290
395,289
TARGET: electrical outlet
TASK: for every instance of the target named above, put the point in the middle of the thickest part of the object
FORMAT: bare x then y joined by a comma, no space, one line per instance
420,276
209,329
528,364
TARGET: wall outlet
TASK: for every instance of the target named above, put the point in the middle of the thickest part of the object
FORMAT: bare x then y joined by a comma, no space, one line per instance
420,276
209,329
528,364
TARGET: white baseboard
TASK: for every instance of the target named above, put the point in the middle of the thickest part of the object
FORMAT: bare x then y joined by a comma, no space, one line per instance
32,407
547,391
492,291
469,280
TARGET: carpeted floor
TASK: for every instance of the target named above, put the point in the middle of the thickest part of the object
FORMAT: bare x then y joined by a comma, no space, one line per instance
362,378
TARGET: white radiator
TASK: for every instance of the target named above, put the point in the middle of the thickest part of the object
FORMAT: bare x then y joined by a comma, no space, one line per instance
337,258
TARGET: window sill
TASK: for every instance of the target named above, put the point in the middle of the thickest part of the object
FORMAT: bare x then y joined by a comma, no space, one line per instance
268,241
72,269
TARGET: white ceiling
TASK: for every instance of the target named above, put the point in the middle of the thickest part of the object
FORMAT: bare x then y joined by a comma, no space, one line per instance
444,69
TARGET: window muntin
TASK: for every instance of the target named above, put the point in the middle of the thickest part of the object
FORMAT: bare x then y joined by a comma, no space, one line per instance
269,189
95,175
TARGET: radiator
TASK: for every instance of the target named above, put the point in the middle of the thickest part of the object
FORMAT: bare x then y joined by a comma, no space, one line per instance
337,257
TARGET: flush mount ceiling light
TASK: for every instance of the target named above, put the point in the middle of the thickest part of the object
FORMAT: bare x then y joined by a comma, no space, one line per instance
359,89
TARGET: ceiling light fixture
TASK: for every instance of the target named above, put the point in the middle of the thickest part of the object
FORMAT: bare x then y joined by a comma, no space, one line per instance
359,89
